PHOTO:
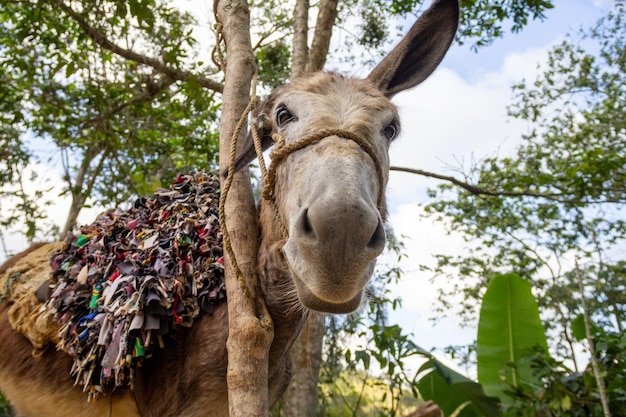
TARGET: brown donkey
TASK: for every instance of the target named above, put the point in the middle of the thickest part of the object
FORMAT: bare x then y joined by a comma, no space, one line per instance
329,195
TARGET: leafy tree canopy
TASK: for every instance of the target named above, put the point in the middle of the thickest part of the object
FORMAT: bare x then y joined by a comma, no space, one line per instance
118,125
118,91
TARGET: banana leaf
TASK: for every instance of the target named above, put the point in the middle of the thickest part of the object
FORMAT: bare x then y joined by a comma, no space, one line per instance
508,330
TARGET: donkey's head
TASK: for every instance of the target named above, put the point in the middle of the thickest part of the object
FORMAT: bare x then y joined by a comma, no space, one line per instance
330,163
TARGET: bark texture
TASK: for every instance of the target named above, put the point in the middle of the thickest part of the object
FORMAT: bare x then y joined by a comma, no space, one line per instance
250,326
82,187
301,396
300,50
326,17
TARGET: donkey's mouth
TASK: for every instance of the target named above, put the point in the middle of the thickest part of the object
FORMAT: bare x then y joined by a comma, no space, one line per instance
313,302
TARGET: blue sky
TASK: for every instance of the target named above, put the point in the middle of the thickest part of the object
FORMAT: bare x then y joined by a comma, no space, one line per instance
566,16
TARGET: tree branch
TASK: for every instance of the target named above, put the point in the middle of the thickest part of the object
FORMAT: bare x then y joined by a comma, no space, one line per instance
501,193
300,50
321,38
152,91
250,328
267,35
595,366
100,39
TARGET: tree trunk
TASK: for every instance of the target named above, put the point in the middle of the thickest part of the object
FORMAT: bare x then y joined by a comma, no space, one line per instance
301,396
300,50
250,326
72,216
82,187
326,17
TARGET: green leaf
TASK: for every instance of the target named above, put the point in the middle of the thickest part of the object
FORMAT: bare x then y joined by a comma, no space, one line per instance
363,356
451,391
509,328
70,69
578,328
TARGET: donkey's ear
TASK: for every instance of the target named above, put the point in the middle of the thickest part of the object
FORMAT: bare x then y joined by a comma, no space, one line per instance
247,153
420,51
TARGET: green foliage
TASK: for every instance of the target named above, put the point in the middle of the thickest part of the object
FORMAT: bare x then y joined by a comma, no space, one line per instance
559,199
379,353
484,21
271,63
358,393
556,390
552,213
117,127
4,407
373,30
514,365
535,384
508,329
454,393
566,393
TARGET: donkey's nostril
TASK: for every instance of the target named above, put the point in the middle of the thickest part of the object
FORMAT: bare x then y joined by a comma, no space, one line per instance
305,224
377,240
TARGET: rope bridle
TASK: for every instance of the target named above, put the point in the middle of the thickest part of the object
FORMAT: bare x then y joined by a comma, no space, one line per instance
282,150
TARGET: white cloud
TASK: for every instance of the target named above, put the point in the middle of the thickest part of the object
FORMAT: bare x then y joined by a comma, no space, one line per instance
447,121
418,293
603,3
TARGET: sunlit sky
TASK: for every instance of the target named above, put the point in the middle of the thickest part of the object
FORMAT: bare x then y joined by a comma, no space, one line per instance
458,115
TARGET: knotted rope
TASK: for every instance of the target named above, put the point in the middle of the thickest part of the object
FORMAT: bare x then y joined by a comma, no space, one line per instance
217,54
281,151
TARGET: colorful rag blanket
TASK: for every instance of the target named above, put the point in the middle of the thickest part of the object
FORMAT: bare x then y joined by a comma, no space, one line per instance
125,283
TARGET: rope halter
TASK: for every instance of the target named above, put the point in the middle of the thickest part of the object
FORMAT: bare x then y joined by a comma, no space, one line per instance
281,151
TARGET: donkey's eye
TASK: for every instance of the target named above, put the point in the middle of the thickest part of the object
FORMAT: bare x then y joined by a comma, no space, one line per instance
283,116
390,131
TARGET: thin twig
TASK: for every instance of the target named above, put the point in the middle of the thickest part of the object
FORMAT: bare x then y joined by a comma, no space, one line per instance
475,190
592,351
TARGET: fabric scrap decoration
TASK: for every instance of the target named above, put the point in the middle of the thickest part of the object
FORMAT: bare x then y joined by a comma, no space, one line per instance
127,282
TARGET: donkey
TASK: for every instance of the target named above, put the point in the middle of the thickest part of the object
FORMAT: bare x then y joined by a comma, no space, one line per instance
330,196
